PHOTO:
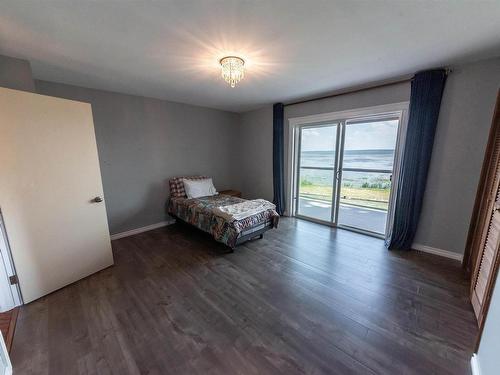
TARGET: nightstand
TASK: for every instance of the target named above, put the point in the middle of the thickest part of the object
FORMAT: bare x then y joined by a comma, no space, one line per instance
233,193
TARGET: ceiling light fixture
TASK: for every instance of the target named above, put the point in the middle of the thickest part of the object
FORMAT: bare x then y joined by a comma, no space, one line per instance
233,69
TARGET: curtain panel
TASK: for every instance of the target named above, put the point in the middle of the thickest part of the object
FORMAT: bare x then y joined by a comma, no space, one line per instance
425,101
278,158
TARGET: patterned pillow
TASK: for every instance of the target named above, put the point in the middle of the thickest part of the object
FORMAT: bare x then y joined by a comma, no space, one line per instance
177,185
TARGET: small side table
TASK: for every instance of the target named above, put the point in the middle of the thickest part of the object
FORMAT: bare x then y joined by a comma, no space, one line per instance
233,193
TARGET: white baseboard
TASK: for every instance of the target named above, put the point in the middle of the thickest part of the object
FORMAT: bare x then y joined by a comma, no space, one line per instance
474,365
436,251
142,229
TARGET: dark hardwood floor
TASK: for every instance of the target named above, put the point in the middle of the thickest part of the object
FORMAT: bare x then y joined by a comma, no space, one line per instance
305,299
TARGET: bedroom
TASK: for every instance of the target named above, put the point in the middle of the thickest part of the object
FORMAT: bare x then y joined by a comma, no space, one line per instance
310,296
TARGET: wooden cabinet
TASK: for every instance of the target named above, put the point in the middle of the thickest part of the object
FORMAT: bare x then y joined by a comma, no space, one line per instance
482,254
487,260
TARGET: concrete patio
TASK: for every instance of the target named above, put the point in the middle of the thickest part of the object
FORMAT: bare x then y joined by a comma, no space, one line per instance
354,216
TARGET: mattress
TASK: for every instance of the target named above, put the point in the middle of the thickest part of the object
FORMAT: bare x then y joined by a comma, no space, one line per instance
199,212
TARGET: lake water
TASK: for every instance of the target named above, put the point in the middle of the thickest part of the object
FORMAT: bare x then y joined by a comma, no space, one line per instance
367,159
372,159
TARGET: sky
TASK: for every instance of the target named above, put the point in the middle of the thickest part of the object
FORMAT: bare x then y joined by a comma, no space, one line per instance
362,136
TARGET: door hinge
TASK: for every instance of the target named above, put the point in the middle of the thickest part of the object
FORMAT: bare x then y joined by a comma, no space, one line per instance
13,280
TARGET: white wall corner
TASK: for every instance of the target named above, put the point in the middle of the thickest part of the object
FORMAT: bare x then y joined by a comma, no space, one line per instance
141,229
474,364
436,251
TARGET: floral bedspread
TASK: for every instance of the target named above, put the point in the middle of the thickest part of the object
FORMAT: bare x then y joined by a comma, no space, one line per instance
199,212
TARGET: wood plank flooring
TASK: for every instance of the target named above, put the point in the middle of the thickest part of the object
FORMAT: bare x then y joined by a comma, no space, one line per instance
306,299
8,321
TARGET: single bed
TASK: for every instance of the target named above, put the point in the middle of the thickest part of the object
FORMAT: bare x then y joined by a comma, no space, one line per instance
204,214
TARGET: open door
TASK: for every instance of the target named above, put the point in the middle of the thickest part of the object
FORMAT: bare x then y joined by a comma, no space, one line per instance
50,178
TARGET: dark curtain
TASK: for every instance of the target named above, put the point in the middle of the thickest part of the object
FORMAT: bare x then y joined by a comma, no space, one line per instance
278,155
425,100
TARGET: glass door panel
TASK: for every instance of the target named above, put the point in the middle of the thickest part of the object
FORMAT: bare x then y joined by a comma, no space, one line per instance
366,173
364,200
316,171
370,145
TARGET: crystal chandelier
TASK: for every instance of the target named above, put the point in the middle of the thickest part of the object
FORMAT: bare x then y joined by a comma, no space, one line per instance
233,69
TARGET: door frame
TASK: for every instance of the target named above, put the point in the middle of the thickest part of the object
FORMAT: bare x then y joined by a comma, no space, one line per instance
340,117
11,293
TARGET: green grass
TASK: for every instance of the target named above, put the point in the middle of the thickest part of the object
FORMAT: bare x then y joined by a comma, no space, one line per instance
359,196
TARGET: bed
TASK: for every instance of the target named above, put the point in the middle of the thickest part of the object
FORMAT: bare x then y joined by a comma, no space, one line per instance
208,214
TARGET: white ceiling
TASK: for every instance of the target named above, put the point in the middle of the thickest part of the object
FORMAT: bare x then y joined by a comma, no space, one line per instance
294,49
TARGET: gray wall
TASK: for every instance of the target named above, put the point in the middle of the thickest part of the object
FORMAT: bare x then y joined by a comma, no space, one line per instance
142,142
16,74
489,348
462,132
464,122
255,154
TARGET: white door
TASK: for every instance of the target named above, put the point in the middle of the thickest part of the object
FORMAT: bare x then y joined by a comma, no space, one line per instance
49,171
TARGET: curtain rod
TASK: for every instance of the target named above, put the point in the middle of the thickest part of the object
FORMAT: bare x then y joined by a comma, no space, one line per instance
352,91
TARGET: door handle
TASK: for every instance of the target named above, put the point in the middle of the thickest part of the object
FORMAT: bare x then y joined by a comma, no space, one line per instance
96,200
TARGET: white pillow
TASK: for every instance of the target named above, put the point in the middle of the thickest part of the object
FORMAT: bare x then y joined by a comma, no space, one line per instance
199,188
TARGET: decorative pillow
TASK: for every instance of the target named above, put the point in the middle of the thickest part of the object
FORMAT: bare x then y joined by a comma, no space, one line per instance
199,188
177,185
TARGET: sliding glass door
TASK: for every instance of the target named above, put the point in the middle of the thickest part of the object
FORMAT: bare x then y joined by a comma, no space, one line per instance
344,169
366,173
317,166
